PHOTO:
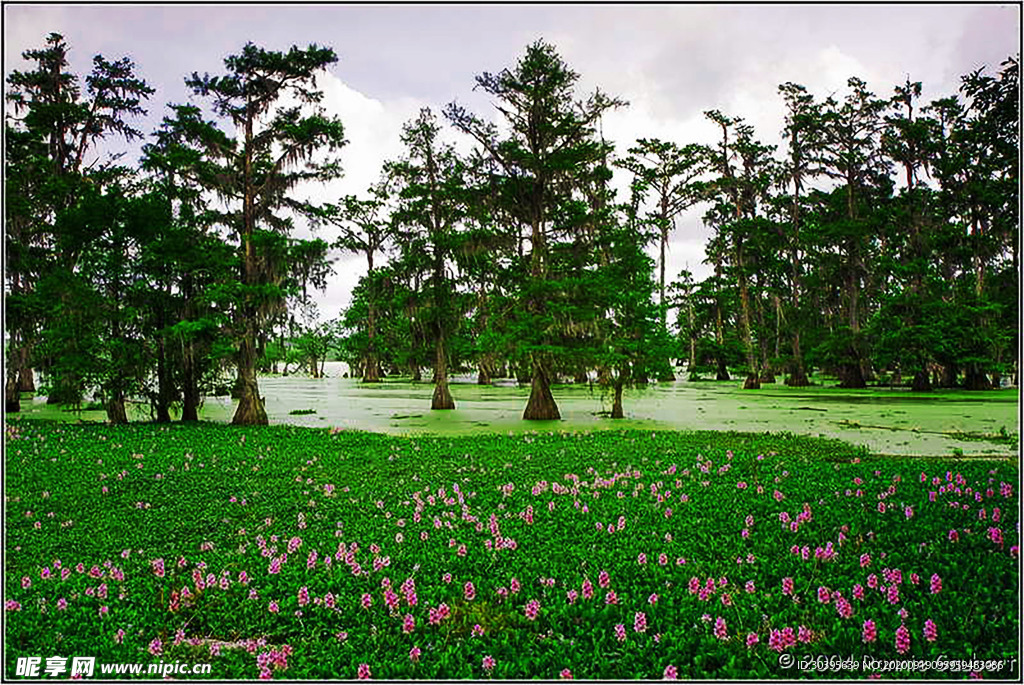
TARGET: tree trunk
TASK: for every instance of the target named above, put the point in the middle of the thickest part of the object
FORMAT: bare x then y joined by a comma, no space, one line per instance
164,391
484,375
617,403
949,375
723,372
371,369
922,382
250,411
442,396
752,382
26,381
12,398
975,379
798,377
850,376
238,388
541,406
581,377
116,413
417,374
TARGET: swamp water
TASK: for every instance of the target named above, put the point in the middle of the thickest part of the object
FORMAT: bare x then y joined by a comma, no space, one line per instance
883,420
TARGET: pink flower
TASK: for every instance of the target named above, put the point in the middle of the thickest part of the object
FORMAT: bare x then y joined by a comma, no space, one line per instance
156,648
603,579
640,559
670,673
931,632
119,636
477,631
273,608
721,632
366,601
588,589
532,609
749,587
488,663
653,599
872,581
566,674
363,672
514,586
865,560
936,584
824,595
620,632
843,607
640,622
408,624
803,634
902,639
870,631
892,593
414,654
752,640
572,595
611,598
303,596
468,591
787,586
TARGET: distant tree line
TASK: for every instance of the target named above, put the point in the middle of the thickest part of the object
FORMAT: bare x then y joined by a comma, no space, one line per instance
879,244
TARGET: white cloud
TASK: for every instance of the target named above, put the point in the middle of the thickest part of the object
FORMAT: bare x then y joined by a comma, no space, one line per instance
373,130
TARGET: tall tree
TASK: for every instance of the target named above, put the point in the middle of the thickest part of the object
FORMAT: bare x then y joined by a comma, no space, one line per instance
550,141
431,206
365,228
256,173
52,131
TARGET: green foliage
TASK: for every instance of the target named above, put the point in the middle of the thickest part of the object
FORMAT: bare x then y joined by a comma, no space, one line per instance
696,517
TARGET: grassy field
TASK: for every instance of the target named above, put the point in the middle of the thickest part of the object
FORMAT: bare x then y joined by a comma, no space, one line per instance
293,552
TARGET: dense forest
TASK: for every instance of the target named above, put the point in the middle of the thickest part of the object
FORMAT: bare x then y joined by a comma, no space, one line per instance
877,245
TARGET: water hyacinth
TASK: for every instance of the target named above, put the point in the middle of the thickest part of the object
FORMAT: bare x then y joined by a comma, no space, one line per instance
835,572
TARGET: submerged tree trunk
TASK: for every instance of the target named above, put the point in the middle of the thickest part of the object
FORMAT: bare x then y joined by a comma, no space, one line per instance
850,376
617,403
12,398
975,378
26,381
541,406
484,373
948,376
722,372
442,396
250,411
798,376
164,391
922,382
116,413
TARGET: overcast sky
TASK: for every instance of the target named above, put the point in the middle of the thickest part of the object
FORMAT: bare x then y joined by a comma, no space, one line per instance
670,62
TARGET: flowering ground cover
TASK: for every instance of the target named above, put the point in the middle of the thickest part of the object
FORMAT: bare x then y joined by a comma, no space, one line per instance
290,552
